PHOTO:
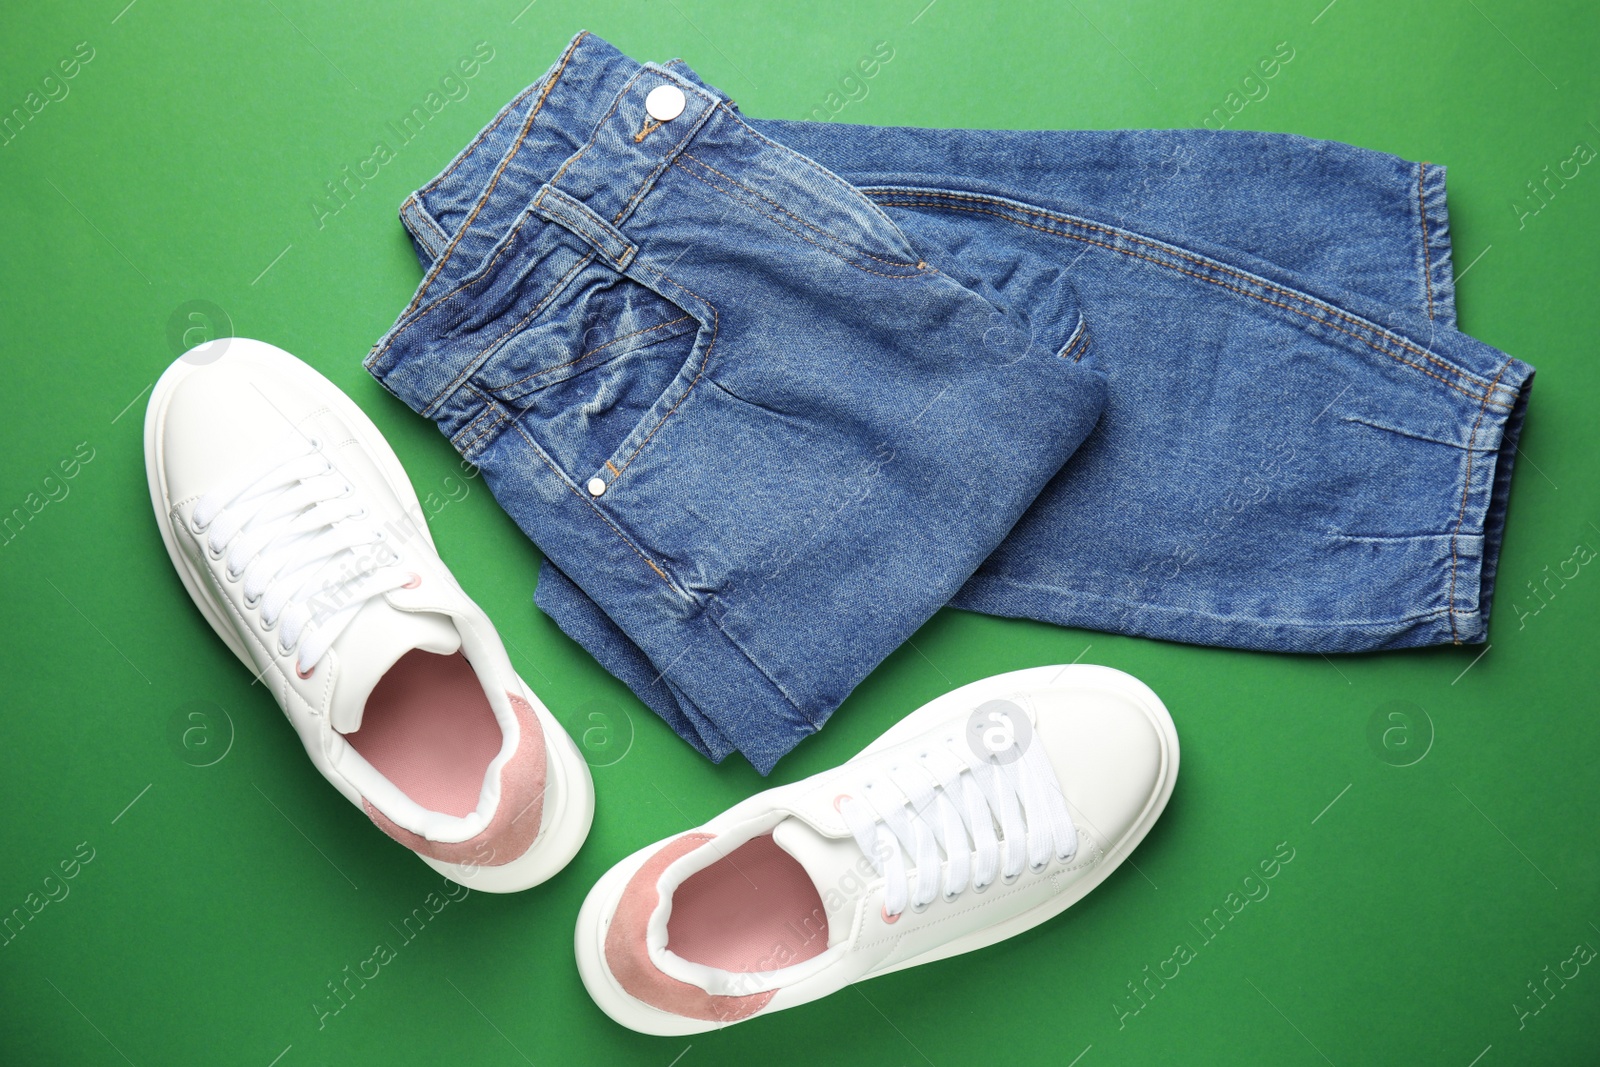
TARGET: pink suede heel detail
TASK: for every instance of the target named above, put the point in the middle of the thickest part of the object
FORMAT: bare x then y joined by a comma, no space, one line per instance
629,959
516,820
756,909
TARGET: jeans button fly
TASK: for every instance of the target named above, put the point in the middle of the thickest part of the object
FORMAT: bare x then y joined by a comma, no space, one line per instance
597,486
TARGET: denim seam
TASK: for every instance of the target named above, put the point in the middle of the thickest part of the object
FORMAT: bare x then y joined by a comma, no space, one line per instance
717,622
698,374
1078,343
1461,517
488,191
908,200
827,174
1384,539
1212,265
734,181
471,448
1224,285
1427,252
516,425
1439,256
477,277
600,126
736,199
1298,624
668,158
469,427
592,351
486,437
483,357
490,407
466,447
1406,433
505,113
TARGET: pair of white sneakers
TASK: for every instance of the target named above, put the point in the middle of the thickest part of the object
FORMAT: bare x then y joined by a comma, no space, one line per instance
978,816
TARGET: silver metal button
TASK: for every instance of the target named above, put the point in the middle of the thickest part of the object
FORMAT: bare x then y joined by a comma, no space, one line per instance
597,486
665,103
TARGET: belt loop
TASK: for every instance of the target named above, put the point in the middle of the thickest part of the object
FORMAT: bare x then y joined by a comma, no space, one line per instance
570,214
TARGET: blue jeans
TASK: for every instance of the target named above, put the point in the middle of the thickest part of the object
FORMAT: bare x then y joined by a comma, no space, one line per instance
768,394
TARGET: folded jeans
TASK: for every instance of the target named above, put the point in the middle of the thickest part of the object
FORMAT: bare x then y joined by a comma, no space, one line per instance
767,394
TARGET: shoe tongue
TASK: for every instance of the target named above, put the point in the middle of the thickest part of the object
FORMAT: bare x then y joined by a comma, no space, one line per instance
371,644
836,866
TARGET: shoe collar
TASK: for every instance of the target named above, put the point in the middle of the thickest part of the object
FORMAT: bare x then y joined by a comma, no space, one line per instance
481,647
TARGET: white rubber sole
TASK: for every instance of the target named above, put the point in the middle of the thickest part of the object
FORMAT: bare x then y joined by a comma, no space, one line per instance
569,788
600,904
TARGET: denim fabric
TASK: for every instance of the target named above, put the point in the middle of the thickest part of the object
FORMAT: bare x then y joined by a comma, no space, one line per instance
830,378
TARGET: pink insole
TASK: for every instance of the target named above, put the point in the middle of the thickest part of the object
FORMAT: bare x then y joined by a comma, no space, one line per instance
428,728
755,909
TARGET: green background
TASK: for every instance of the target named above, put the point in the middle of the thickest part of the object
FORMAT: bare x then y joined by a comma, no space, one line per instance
1441,807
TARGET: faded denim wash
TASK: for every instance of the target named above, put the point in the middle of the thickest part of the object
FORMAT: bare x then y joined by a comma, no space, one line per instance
767,394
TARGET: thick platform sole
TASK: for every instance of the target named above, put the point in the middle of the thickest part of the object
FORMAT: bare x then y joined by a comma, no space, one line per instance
569,797
589,938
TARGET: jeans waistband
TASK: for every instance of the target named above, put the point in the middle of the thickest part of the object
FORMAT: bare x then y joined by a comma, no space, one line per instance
578,153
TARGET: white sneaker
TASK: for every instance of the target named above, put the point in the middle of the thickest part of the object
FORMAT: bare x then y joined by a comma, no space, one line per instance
978,816
299,537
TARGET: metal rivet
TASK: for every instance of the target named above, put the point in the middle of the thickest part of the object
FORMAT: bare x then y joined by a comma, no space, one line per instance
597,486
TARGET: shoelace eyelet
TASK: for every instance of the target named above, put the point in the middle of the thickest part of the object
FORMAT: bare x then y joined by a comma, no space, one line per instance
1010,879
980,887
1036,868
284,532
889,920
838,800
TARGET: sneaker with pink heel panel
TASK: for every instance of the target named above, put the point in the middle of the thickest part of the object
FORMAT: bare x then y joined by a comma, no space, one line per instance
298,535
977,817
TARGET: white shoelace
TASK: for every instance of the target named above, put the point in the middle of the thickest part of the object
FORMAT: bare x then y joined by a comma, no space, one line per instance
940,807
293,531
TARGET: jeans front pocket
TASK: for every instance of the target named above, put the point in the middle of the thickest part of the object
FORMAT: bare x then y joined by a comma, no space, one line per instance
581,383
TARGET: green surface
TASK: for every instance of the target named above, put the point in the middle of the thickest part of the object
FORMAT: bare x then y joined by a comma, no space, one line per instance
1442,860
